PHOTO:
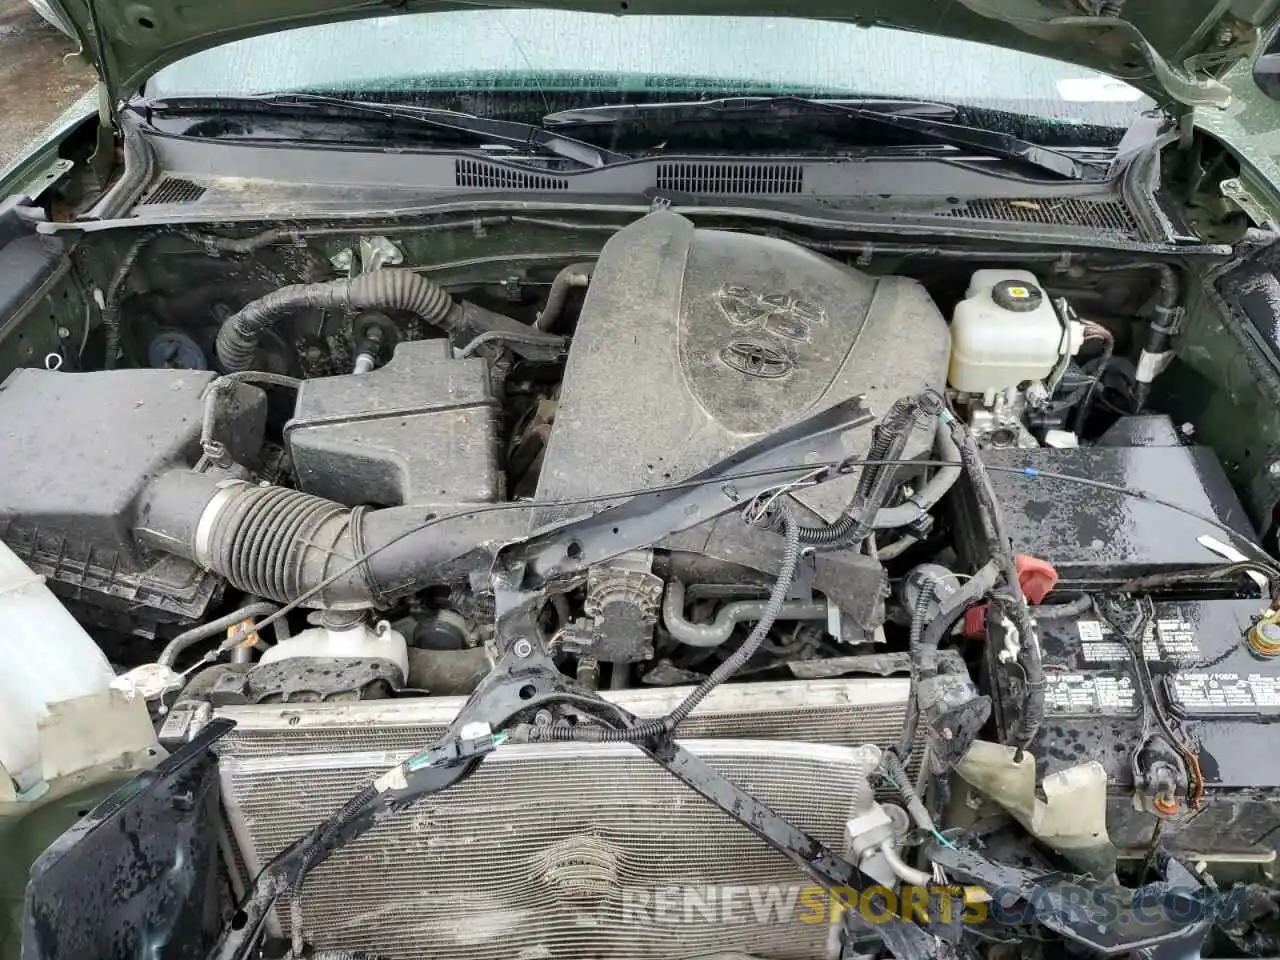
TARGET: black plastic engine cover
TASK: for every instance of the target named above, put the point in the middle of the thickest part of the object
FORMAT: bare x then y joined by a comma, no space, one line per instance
693,343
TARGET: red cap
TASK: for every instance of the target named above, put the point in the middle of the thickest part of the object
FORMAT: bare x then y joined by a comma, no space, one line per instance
1036,577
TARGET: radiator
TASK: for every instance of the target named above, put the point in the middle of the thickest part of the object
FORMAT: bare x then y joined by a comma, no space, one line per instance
559,850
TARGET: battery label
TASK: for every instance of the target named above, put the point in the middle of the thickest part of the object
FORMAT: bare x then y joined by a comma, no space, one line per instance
1077,694
1205,692
1169,639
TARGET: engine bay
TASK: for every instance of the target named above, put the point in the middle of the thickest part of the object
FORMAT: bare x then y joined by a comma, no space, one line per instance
917,559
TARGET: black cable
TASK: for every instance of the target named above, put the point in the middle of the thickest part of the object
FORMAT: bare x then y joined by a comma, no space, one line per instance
1104,361
1016,604
1173,578
888,441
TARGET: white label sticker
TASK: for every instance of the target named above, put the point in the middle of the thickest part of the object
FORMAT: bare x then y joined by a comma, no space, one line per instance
1212,693
1169,638
1077,694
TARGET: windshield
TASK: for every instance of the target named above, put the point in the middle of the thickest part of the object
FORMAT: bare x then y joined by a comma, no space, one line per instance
567,58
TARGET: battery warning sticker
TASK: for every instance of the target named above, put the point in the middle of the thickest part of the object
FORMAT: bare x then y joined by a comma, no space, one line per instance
1168,638
1078,694
1209,693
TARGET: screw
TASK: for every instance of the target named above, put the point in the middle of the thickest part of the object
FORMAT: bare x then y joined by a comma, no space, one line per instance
63,333
946,733
1273,468
542,718
522,648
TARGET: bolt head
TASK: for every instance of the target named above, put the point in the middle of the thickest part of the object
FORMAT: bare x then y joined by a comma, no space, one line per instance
522,648
1273,468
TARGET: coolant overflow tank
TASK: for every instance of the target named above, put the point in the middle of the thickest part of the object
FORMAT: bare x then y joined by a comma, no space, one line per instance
1004,331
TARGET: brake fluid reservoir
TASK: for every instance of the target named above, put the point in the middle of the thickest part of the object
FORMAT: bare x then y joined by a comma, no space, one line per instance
1003,332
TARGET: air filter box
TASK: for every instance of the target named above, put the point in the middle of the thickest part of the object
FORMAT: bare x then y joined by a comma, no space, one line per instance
79,449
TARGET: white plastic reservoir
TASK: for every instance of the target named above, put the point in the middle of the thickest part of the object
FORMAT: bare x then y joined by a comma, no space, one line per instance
45,657
1003,332
357,641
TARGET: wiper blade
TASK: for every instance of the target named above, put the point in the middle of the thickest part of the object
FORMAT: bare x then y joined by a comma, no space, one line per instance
930,121
510,132
727,108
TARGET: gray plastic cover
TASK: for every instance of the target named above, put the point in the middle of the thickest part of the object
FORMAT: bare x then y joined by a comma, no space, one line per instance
421,429
693,343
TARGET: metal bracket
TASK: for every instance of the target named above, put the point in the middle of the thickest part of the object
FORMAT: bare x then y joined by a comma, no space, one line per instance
44,179
1235,190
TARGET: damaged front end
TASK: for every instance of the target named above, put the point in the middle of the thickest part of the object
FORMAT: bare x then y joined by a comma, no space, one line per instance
713,596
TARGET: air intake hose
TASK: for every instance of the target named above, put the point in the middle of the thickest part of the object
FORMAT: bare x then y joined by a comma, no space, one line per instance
376,290
279,543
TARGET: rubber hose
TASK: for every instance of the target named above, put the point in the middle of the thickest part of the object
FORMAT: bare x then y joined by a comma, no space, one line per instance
664,727
897,548
279,543
935,488
188,638
377,290
1086,405
575,275
728,617
224,385
1168,296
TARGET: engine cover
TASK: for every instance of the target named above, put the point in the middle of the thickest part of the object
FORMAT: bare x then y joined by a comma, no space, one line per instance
693,343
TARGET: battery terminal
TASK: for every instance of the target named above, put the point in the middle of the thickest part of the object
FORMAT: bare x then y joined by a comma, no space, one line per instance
1264,637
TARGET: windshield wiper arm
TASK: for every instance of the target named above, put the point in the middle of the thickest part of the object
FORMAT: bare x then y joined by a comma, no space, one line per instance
512,132
922,119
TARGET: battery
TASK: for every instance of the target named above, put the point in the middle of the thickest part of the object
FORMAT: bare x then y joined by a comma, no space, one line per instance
1217,692
1097,538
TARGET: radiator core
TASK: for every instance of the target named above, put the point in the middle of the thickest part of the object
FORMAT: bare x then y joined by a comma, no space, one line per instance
584,851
